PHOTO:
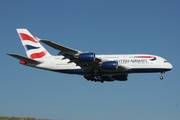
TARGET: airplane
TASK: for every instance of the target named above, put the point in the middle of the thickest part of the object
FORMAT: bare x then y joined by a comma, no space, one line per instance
97,68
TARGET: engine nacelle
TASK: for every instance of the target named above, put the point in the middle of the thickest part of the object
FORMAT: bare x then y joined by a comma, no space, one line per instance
89,57
110,65
120,77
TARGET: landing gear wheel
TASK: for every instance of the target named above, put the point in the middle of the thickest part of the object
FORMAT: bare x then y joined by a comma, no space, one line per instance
102,81
161,77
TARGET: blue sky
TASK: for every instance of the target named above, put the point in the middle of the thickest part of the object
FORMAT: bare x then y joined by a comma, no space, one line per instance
103,27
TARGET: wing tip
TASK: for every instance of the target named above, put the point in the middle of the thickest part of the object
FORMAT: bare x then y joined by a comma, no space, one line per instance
43,40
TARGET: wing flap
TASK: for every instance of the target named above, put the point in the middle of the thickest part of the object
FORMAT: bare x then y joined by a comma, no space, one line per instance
19,57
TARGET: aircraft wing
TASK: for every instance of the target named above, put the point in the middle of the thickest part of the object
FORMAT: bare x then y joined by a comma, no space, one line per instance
60,47
72,55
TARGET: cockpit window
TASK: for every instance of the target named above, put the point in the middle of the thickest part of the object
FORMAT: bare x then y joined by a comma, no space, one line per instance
165,61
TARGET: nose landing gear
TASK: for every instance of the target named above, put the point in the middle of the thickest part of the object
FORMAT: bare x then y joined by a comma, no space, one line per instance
161,75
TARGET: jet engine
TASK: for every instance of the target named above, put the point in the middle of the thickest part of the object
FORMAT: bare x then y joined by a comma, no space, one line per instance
111,65
89,57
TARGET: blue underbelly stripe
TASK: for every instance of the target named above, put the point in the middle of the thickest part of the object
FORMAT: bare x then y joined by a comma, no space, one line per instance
133,70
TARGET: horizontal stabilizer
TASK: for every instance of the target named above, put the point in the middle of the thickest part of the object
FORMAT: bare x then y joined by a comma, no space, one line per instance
28,60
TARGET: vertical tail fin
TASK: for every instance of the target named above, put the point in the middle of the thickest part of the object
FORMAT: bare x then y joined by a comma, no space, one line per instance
33,48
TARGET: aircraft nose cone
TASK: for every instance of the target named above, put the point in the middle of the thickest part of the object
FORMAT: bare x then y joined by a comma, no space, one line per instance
170,66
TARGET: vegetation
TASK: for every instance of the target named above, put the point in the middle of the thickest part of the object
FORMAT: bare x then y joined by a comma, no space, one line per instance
19,118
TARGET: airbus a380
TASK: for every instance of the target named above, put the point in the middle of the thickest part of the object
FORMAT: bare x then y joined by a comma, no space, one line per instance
93,67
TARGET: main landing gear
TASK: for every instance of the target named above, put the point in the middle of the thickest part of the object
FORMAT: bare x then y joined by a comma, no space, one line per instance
161,75
93,78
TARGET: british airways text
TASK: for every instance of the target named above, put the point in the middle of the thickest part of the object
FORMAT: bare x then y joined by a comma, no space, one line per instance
132,61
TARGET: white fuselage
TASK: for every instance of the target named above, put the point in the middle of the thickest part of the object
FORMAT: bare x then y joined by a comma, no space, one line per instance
134,63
